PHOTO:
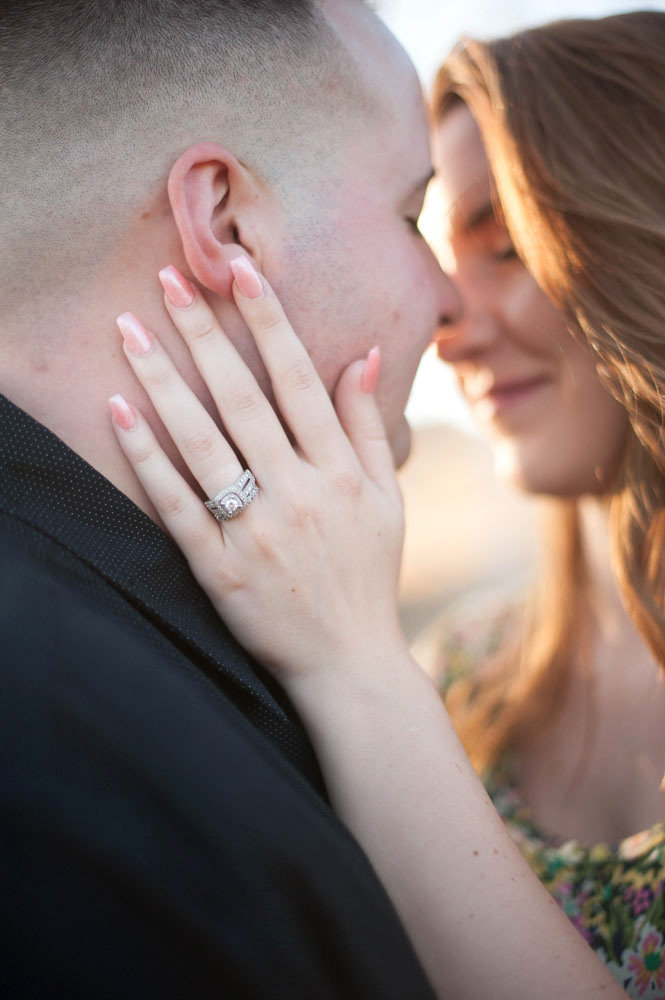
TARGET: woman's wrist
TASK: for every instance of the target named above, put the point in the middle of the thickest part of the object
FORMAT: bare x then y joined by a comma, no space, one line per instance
355,683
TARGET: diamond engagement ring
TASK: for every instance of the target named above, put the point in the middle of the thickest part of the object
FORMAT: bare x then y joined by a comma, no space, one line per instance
232,501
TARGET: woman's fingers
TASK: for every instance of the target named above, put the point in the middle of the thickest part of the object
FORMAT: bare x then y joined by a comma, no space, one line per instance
359,415
282,579
301,396
181,511
247,415
208,455
335,449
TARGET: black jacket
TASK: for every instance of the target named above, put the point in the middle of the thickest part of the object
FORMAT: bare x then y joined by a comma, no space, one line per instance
164,829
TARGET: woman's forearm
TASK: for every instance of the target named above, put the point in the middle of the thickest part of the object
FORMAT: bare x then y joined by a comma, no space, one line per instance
480,920
280,577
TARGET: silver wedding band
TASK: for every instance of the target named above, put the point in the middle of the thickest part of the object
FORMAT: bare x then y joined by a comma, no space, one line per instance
232,500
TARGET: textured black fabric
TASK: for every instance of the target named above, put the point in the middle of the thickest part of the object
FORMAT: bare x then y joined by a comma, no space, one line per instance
163,828
47,486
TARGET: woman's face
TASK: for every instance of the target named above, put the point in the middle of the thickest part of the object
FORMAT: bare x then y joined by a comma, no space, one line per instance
553,426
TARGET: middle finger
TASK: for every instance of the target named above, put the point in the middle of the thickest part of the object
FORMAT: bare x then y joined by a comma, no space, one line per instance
247,415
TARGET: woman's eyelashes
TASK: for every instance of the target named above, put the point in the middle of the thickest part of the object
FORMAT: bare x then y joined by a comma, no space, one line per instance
499,244
488,235
508,252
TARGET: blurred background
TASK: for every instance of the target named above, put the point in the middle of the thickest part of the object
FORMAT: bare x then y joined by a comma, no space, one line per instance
465,531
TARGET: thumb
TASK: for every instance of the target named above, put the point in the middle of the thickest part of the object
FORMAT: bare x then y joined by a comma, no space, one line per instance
359,415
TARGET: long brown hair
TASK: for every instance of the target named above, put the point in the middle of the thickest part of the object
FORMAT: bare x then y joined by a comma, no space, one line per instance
572,116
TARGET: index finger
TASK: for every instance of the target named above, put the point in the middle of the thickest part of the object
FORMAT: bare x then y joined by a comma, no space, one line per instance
301,396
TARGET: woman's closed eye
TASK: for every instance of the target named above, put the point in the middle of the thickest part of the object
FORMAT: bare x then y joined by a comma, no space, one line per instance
507,252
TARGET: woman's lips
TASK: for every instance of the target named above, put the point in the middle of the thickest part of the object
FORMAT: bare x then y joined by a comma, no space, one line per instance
504,396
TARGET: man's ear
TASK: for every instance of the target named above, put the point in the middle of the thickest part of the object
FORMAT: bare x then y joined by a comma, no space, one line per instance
213,200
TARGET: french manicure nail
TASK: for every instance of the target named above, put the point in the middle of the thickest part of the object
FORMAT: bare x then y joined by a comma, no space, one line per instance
178,290
122,413
371,371
135,335
247,278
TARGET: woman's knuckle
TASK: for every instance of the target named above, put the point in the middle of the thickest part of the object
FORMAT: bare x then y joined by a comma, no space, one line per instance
157,377
226,577
300,377
203,329
142,453
243,400
199,443
347,484
304,515
172,504
265,547
270,319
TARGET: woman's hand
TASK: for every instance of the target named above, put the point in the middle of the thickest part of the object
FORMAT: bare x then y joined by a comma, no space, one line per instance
306,576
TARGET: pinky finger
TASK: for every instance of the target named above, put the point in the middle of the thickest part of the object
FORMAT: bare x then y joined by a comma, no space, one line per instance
180,509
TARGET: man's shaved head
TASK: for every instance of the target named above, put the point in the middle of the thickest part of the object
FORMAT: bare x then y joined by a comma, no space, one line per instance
119,86
137,133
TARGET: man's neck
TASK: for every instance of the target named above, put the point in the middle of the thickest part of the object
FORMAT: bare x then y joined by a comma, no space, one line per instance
61,360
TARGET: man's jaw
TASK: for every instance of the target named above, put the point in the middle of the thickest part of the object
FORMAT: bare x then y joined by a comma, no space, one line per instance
400,442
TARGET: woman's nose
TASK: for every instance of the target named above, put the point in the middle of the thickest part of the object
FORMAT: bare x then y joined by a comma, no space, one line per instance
450,301
471,331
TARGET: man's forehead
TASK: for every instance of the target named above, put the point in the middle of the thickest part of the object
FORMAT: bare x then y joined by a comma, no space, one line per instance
393,138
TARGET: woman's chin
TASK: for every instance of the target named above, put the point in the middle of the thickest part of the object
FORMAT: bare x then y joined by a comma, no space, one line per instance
528,470
514,475
540,475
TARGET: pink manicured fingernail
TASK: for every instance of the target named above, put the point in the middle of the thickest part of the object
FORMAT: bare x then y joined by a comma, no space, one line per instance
136,336
122,413
371,371
247,279
179,291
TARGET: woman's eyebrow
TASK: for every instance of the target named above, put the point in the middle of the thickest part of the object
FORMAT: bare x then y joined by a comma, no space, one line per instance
469,213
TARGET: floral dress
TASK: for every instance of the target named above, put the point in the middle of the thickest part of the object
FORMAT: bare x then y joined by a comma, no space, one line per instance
614,894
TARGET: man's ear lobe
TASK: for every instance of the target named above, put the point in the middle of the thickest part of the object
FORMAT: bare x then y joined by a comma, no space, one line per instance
206,190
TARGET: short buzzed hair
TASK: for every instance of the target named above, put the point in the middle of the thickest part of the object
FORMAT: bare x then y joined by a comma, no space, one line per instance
112,50
82,82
